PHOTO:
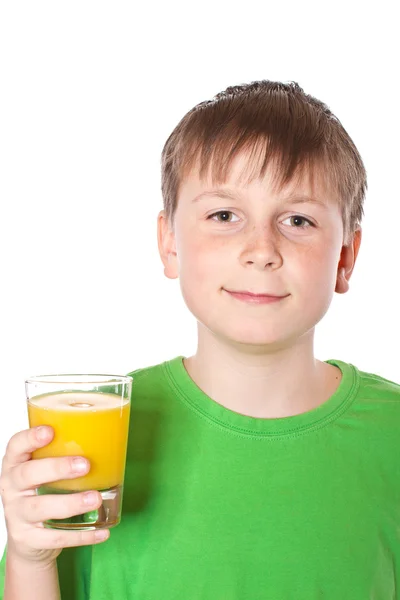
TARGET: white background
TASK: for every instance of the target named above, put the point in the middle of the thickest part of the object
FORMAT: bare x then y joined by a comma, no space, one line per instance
89,93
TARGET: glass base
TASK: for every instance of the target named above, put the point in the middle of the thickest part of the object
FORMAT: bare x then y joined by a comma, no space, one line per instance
106,516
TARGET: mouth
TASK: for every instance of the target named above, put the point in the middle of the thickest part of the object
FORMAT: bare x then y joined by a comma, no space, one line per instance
252,298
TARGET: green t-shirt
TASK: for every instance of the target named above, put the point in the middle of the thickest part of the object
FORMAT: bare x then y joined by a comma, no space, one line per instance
223,506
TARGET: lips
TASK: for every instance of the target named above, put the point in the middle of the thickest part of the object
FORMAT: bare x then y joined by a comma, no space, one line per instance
255,295
252,298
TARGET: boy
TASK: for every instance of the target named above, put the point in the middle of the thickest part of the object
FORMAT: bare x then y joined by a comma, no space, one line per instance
254,470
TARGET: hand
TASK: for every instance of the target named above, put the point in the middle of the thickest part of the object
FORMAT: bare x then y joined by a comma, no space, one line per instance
25,511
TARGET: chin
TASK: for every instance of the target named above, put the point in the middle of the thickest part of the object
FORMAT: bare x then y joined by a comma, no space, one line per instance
255,337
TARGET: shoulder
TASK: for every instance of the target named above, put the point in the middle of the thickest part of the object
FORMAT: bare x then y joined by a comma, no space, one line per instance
152,380
380,397
153,370
143,372
369,393
377,386
369,384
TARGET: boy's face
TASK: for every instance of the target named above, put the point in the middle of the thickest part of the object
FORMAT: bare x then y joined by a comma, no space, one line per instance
257,245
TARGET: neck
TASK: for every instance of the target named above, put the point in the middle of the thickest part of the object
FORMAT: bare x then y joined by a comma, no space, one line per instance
260,382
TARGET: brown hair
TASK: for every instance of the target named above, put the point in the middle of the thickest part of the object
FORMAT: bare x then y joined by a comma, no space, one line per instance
275,121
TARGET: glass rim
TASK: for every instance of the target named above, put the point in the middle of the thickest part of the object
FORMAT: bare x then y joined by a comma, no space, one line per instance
75,378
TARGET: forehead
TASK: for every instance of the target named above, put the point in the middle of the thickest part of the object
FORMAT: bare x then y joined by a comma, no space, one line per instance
244,174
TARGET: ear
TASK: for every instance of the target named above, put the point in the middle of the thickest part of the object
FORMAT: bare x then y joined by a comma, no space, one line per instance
347,261
167,246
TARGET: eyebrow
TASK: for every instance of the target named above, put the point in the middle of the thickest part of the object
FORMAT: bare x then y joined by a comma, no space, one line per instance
292,199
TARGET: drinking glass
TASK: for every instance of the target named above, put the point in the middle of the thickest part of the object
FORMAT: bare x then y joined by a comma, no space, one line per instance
90,418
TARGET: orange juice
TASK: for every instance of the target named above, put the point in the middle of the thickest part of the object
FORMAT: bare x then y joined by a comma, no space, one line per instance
90,424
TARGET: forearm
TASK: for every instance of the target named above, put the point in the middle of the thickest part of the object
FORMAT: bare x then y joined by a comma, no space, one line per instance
26,581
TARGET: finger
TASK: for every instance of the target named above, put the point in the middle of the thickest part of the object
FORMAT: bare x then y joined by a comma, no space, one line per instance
23,443
35,473
35,509
47,539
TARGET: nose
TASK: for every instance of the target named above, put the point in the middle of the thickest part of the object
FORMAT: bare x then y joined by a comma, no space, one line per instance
261,249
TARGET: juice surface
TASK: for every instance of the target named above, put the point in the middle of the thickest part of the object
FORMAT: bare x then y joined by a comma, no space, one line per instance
89,424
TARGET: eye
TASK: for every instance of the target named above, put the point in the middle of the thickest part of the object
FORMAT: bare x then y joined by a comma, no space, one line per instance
224,214
298,218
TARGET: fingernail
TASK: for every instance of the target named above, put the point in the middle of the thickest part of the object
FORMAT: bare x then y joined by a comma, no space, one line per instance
101,534
42,433
90,497
79,464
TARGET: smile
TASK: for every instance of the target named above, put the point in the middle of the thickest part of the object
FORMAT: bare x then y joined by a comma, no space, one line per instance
255,298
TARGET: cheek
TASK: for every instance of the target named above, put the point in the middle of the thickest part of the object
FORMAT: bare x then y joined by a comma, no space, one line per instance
202,258
319,257
312,271
202,264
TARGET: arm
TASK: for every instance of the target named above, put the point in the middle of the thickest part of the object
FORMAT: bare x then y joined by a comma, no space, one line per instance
27,581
